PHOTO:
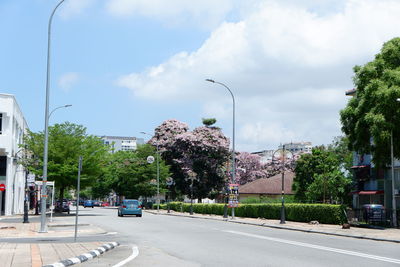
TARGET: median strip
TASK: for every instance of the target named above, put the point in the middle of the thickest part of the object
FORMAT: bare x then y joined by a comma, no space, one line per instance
84,257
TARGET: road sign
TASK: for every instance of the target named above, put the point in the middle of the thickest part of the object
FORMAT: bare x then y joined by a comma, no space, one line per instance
2,187
150,159
31,178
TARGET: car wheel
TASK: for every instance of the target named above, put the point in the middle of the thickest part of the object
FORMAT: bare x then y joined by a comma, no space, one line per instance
122,215
68,212
139,215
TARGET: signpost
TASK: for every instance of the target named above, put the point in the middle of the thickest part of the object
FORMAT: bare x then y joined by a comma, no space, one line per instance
233,196
169,181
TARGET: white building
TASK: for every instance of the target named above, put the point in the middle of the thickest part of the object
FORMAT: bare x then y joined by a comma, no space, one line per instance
12,175
123,143
298,147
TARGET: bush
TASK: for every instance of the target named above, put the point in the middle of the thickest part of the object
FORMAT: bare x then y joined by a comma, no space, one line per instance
323,213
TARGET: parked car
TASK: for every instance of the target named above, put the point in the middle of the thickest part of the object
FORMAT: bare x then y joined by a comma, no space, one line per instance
81,201
62,206
96,203
105,204
130,207
374,213
88,203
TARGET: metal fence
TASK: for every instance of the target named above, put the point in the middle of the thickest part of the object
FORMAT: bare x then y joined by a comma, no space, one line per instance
372,216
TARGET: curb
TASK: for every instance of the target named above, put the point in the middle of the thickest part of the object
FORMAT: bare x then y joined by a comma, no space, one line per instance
84,257
282,227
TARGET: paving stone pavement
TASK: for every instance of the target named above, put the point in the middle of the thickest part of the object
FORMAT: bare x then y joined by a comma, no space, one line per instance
39,254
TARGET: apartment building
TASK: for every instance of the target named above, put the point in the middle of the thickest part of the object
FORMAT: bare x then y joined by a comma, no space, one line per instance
12,129
124,143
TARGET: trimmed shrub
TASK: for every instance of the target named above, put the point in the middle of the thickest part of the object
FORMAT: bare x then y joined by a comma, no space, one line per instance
323,213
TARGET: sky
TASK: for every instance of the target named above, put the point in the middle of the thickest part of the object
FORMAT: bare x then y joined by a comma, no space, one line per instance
126,66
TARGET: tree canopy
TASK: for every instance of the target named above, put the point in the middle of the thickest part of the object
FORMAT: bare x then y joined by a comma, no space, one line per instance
249,168
373,115
67,141
321,176
130,175
205,150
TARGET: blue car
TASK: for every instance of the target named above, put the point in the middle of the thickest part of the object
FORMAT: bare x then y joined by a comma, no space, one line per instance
88,203
130,207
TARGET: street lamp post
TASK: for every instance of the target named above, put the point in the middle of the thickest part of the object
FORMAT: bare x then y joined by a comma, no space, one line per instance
283,188
233,135
158,173
46,126
26,219
283,156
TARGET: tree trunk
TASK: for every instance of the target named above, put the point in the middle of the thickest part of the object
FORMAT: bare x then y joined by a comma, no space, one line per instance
61,196
199,200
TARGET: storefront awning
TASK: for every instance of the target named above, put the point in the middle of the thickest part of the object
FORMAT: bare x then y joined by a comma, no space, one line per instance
370,192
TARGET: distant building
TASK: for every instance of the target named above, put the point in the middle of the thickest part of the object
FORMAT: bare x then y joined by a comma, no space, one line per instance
298,148
12,129
122,143
266,155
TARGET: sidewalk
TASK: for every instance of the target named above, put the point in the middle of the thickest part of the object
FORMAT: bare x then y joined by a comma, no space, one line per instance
37,254
384,234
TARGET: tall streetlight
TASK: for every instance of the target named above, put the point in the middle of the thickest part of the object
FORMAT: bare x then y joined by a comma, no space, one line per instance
158,173
283,158
233,135
45,160
46,126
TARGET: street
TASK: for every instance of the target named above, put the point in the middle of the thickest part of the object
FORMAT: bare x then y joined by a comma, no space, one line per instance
180,241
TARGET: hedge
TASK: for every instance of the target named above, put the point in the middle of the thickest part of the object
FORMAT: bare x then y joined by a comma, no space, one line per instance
323,213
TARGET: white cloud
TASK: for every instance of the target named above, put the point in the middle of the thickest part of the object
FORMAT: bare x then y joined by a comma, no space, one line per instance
204,13
68,80
287,63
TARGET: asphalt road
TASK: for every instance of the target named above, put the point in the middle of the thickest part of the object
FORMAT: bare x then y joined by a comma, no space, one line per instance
178,241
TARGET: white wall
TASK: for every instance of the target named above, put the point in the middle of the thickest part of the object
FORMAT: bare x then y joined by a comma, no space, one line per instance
13,128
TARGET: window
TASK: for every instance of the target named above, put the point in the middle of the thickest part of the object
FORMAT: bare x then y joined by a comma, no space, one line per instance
1,122
3,165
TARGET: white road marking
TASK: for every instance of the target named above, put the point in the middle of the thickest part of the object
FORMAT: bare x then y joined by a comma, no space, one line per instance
135,253
342,251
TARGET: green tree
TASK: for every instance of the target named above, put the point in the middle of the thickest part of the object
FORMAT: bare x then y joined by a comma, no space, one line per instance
130,175
371,117
67,141
205,151
320,177
209,121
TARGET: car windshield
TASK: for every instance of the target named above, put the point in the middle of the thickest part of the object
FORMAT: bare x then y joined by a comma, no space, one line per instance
130,202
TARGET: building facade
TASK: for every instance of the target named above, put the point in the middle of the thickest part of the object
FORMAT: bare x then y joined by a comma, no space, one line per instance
122,143
297,147
373,185
12,174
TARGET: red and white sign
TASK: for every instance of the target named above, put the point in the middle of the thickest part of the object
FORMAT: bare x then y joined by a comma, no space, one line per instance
2,187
